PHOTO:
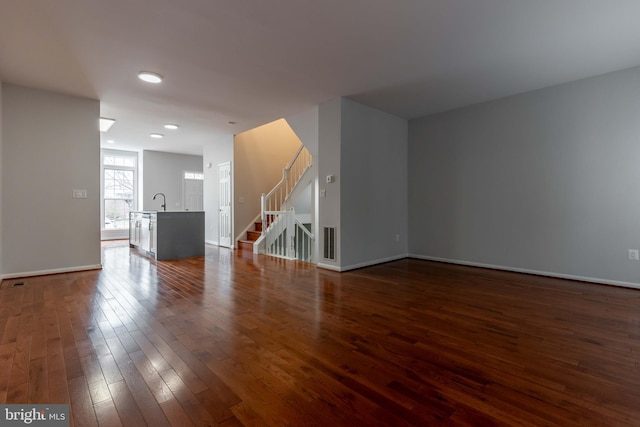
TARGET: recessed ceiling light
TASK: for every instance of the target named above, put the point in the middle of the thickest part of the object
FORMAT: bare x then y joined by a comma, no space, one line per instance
105,124
149,77
110,141
171,126
156,135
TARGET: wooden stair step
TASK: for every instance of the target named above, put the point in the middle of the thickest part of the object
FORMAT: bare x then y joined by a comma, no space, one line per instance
253,235
245,245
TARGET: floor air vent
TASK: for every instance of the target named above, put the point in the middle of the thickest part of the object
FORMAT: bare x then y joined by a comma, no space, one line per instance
329,243
17,284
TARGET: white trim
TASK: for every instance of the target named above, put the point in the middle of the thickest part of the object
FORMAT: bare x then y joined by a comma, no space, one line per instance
212,242
528,271
232,205
52,271
114,234
328,267
137,188
363,264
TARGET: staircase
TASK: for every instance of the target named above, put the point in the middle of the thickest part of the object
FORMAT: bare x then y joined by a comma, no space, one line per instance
276,231
252,236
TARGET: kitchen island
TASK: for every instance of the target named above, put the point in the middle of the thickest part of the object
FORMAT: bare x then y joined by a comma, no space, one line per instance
167,235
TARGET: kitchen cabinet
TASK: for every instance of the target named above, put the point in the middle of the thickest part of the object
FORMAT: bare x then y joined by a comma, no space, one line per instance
167,235
135,222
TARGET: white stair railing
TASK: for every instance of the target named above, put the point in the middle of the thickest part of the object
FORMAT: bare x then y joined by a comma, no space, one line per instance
275,200
303,242
282,235
287,237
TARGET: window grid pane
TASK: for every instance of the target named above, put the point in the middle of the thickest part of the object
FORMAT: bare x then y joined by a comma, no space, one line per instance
119,186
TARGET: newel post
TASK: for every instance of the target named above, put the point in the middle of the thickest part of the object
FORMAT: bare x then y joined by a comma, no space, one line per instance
291,233
263,218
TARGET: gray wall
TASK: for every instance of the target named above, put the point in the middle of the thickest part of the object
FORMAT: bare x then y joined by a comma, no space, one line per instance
328,162
305,125
303,204
1,132
366,151
373,189
218,150
163,173
546,181
50,146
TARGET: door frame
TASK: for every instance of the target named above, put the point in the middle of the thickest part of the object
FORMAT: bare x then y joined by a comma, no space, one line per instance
220,241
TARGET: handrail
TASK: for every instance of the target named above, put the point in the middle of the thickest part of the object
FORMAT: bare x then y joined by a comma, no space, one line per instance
279,225
291,174
295,157
277,186
285,170
304,229
287,237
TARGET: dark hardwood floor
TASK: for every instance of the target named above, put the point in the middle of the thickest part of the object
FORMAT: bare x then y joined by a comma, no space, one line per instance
231,339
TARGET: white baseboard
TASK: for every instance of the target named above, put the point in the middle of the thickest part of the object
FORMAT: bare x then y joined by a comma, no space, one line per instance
52,271
528,271
211,242
328,267
363,264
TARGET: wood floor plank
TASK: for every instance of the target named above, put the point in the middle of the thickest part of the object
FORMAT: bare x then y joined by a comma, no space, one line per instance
128,410
81,406
176,415
107,414
38,381
20,367
7,352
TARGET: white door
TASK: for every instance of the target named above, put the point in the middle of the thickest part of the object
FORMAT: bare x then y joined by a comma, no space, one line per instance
224,198
193,189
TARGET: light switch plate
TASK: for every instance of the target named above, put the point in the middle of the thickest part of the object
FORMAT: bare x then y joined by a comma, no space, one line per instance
79,194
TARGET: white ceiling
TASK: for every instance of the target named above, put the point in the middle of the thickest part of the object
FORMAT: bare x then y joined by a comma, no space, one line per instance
254,61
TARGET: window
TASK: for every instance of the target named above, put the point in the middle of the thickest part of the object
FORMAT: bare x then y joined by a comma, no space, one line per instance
119,188
194,175
193,183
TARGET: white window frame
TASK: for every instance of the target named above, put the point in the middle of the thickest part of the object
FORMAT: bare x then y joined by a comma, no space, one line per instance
190,175
122,233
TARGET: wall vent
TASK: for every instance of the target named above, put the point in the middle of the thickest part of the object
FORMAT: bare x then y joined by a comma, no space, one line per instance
329,243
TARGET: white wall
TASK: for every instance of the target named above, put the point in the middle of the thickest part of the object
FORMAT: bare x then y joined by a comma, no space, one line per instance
366,152
305,125
373,186
302,204
328,161
546,181
163,173
50,146
218,150
1,132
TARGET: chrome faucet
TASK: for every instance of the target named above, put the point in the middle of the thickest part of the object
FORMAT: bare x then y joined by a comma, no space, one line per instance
164,200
